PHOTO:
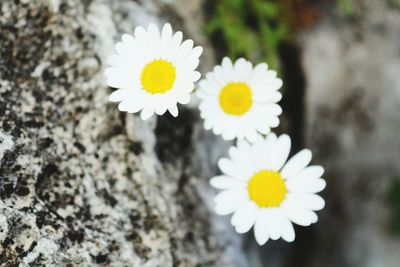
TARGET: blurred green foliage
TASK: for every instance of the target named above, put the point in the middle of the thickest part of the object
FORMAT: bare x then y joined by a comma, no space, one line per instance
393,200
249,28
254,29
346,7
396,3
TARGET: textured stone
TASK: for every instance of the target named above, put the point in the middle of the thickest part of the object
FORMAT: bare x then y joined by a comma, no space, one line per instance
82,183
352,100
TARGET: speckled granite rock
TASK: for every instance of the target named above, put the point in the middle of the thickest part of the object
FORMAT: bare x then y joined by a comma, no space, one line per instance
82,183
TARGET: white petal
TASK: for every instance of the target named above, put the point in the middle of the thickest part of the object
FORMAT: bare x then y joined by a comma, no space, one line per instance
243,69
227,63
189,64
173,110
299,216
259,73
266,96
123,106
140,32
242,161
115,60
276,84
251,135
260,229
268,146
228,168
306,185
208,104
128,39
247,209
117,72
121,49
249,221
228,134
270,109
258,153
274,122
287,231
218,128
215,81
263,128
166,31
229,195
195,76
119,95
208,124
306,201
226,208
130,105
146,113
197,51
229,201
183,98
184,50
240,62
280,152
161,109
120,82
276,97
153,32
314,171
226,182
244,228
177,39
296,163
272,222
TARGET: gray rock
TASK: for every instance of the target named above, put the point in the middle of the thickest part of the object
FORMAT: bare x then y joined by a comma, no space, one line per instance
352,101
81,183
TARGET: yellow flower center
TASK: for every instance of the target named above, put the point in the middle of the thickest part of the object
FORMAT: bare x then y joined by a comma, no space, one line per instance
267,189
158,76
235,98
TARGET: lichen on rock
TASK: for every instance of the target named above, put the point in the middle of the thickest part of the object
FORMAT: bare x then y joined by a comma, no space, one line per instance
81,183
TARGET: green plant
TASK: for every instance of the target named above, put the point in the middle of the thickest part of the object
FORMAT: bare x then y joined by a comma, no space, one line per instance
396,3
249,28
393,201
346,7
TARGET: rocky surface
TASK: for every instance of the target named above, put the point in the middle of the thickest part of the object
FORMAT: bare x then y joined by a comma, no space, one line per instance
352,101
83,184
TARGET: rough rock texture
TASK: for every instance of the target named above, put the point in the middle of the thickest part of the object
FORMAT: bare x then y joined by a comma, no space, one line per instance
352,101
82,183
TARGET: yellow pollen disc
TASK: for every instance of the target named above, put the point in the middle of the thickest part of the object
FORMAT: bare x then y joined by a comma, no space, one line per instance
267,189
158,76
236,98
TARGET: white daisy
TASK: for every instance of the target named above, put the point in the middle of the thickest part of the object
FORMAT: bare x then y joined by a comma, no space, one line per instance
153,71
260,189
239,101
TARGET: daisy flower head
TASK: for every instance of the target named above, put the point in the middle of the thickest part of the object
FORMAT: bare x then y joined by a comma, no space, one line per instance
262,190
239,101
153,71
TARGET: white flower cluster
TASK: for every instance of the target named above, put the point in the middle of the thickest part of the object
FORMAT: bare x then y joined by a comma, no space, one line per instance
154,70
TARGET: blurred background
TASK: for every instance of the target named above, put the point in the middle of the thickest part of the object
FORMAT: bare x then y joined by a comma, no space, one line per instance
339,61
83,184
